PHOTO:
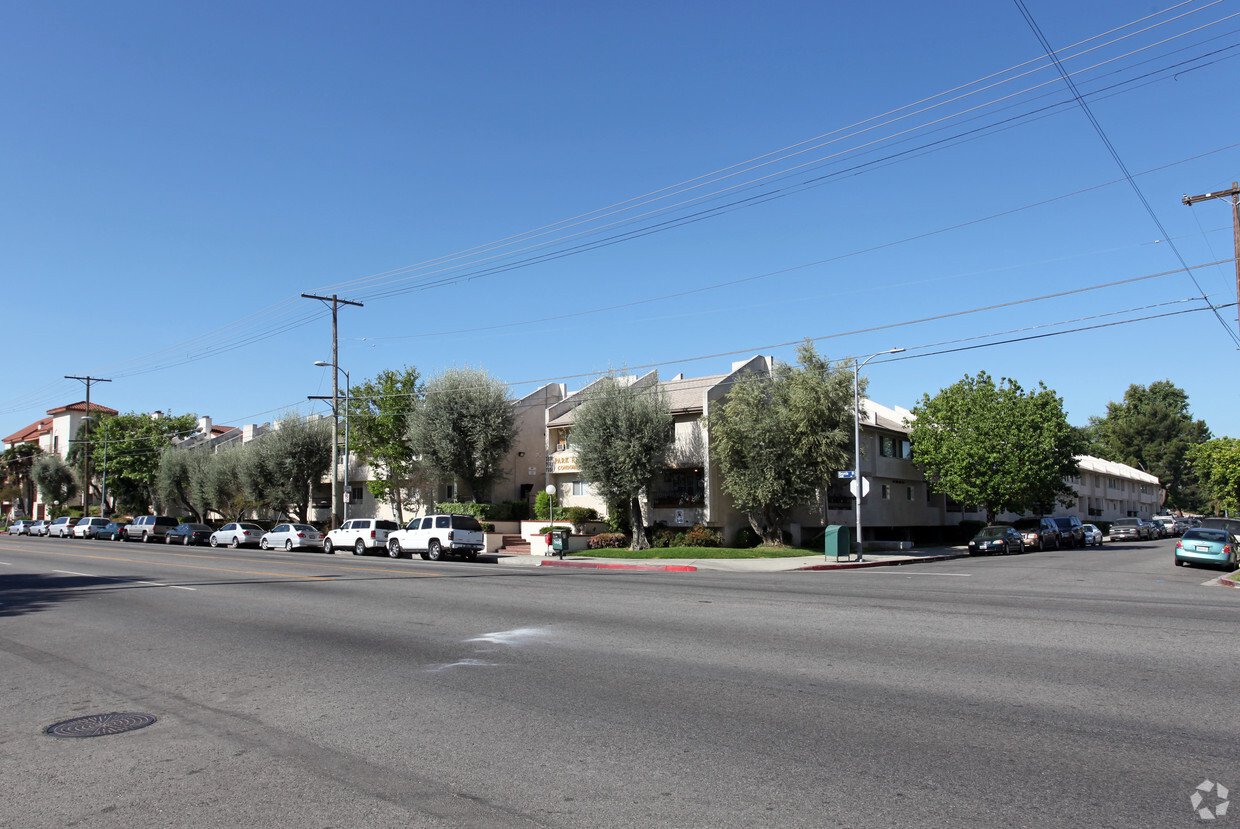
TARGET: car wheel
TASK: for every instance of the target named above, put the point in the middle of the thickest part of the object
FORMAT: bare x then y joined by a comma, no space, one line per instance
425,556
394,549
327,546
1021,548
359,549
472,556
167,539
185,541
215,542
288,545
434,551
146,538
262,544
235,543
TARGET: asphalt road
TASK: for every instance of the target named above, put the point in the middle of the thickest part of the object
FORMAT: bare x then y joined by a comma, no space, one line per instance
1086,688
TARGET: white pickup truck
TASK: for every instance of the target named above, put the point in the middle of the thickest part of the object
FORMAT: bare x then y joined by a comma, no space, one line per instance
436,536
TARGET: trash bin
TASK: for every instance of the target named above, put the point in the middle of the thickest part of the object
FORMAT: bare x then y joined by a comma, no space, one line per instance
559,540
838,542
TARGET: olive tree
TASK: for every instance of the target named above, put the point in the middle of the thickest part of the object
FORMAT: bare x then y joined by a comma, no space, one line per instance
55,481
463,428
283,465
622,434
779,439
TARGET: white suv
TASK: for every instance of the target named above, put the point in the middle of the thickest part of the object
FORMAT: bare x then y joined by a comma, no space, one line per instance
435,536
62,527
361,534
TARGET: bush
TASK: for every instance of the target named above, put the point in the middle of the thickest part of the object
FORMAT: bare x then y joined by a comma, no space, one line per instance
514,511
479,511
488,527
580,515
543,504
604,541
746,538
701,536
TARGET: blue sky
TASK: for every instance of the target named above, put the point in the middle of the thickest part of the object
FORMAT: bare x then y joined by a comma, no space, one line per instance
550,190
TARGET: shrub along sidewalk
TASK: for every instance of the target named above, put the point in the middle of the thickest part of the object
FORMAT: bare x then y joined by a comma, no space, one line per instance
699,552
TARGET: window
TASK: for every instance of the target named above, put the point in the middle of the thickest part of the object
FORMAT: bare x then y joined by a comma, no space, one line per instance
677,488
443,521
910,493
887,446
886,492
581,488
355,494
906,450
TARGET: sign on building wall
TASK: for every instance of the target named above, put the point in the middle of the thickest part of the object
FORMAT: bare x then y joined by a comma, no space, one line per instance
566,463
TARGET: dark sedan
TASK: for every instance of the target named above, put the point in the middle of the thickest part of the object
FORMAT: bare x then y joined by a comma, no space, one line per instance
186,534
113,531
1002,540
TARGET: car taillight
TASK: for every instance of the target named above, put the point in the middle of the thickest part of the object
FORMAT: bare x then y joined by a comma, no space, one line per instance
372,533
1179,545
301,535
1226,549
450,534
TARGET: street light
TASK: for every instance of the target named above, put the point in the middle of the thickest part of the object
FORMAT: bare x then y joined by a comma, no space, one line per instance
859,481
336,439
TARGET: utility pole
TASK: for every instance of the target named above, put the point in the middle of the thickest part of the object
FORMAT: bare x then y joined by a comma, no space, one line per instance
86,452
1234,195
336,302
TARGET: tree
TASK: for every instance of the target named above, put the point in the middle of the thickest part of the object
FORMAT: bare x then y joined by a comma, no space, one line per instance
224,484
18,464
285,463
134,444
622,434
55,481
1216,464
778,440
996,447
463,427
180,482
378,416
1152,429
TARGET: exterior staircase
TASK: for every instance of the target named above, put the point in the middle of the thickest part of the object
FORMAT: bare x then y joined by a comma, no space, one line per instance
514,545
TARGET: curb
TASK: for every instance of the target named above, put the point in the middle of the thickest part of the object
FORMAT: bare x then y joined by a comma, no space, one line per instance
605,565
856,565
1228,582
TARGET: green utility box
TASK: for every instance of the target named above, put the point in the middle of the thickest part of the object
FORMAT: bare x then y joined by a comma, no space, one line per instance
559,540
838,542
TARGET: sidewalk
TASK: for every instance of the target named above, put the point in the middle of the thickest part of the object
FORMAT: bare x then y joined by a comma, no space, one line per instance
738,565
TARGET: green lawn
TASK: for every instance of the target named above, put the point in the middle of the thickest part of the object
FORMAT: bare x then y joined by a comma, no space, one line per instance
701,552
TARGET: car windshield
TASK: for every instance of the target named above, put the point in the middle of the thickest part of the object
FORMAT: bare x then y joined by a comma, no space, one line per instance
251,527
1126,522
990,533
304,528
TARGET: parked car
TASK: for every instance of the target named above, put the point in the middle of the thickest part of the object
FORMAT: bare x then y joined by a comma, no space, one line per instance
148,528
1231,525
1093,535
87,527
237,534
1002,540
360,534
1038,533
1168,525
114,531
1070,529
20,527
187,534
434,536
1129,529
62,527
291,536
39,527
1207,546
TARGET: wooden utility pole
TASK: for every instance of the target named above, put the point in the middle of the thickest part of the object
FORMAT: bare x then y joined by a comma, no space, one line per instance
336,302
86,451
1234,195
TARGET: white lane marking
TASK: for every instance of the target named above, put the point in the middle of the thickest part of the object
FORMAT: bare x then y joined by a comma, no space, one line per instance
110,578
508,637
895,573
7,563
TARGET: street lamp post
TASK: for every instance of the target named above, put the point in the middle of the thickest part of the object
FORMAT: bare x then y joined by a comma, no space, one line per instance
335,438
858,480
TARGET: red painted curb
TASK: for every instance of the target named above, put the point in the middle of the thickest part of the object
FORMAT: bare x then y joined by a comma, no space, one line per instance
596,565
1228,582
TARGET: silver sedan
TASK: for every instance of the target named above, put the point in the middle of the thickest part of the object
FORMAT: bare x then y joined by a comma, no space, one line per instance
290,537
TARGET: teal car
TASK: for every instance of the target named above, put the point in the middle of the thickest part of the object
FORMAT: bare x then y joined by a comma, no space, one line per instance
1207,546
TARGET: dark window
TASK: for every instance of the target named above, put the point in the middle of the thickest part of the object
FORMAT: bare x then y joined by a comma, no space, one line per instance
887,446
387,525
443,521
679,488
465,522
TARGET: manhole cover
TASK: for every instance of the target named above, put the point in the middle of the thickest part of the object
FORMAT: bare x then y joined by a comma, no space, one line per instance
99,725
